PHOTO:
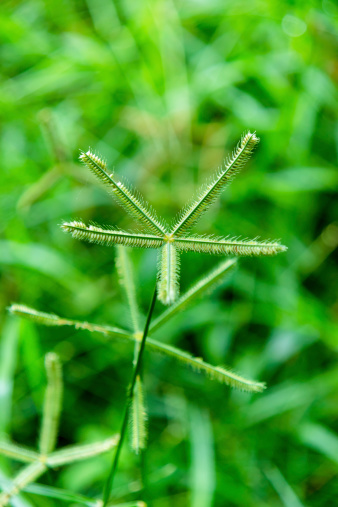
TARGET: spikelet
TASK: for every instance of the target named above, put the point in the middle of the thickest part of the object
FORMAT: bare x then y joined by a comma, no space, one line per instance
209,193
218,246
138,418
110,237
127,198
47,319
52,404
168,285
218,373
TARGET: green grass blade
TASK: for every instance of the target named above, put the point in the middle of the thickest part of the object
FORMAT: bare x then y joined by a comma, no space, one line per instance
127,198
203,286
71,498
202,457
32,353
60,494
8,352
125,271
319,437
52,404
286,494
209,194
110,237
219,246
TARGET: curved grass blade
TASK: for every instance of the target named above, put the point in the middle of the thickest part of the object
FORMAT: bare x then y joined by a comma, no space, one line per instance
129,200
110,237
203,286
241,248
209,194
74,498
60,494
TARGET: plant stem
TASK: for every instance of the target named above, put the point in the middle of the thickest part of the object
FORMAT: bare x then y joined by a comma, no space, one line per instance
109,483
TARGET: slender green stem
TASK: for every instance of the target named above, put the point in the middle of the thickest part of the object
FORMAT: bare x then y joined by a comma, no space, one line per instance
109,483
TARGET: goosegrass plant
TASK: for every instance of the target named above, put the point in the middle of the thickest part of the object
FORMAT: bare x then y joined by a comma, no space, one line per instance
153,232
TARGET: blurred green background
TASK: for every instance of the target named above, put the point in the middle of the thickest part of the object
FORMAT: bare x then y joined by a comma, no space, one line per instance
163,89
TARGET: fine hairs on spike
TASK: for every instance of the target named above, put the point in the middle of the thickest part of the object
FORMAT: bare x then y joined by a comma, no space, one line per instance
208,195
48,319
131,202
109,237
219,246
156,235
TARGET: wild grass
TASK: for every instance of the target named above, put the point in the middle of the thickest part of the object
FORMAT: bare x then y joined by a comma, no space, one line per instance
166,290
163,93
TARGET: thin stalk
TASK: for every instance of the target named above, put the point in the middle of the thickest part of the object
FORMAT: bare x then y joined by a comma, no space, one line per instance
110,481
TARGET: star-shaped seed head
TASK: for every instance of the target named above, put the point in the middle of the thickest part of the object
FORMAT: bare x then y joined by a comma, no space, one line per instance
172,240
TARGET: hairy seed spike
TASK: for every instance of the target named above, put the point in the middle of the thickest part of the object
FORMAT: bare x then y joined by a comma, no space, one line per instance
110,237
47,319
209,193
126,197
219,246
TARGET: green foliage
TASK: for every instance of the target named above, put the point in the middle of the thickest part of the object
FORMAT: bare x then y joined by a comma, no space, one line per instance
47,457
162,90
